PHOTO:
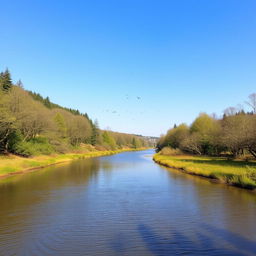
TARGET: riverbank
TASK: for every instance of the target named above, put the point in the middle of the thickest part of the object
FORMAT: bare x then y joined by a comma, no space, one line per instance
13,165
233,172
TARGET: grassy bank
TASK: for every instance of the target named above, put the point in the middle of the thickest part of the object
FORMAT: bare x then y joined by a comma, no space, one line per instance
11,164
233,172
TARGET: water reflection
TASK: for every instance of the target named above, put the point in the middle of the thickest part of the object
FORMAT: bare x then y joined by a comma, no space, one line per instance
123,205
217,204
30,188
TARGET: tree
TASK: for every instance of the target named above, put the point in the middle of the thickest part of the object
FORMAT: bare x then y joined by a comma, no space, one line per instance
234,133
230,111
208,130
108,139
120,140
32,118
160,143
136,143
31,124
5,80
176,135
47,102
61,125
252,102
95,132
192,144
79,130
250,134
7,121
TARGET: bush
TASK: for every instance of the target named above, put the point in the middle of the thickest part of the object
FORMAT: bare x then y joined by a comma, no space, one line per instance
14,138
36,146
100,148
167,151
60,146
24,149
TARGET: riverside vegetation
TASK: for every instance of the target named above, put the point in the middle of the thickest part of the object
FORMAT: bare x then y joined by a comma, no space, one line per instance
220,148
31,126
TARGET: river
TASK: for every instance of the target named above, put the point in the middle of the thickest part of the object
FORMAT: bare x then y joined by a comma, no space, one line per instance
123,204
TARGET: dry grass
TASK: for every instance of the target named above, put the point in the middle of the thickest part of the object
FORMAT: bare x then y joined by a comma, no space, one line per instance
233,172
168,151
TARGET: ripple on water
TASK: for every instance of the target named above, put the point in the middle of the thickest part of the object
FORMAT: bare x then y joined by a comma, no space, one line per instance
123,205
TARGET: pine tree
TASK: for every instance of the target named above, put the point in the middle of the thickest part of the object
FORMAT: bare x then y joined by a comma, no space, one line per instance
5,80
95,133
47,102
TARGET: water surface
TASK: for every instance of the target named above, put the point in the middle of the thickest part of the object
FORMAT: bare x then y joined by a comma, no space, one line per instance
123,204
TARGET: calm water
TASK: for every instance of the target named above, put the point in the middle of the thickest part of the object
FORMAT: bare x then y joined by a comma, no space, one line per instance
123,205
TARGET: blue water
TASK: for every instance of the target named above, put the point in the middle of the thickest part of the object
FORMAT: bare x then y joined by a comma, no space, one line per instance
123,204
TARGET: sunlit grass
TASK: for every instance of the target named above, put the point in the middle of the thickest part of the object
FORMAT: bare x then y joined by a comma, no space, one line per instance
234,172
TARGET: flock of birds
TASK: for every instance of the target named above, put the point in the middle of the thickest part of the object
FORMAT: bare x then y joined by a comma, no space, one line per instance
127,98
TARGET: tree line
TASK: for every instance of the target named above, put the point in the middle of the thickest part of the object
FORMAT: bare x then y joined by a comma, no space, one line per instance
233,134
31,124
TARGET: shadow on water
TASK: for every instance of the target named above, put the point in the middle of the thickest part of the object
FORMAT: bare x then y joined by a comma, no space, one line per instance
204,243
119,244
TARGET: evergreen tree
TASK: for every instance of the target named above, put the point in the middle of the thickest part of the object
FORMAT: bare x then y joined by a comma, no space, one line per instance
47,102
5,80
95,133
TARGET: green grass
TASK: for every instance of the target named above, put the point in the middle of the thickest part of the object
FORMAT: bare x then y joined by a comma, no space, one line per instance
14,164
233,172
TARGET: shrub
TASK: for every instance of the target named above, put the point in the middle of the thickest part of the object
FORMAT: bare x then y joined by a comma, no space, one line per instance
33,147
100,148
167,151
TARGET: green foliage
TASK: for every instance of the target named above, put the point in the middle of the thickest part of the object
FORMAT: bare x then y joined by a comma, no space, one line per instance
13,140
136,143
206,129
95,138
36,146
108,140
61,125
47,102
176,135
234,134
31,124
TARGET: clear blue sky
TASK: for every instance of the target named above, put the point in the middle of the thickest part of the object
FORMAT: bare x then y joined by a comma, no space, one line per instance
180,57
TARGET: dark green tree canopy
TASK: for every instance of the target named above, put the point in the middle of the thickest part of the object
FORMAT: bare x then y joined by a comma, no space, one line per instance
5,80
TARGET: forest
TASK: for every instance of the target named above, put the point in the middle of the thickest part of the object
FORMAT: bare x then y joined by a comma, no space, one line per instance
232,135
32,125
